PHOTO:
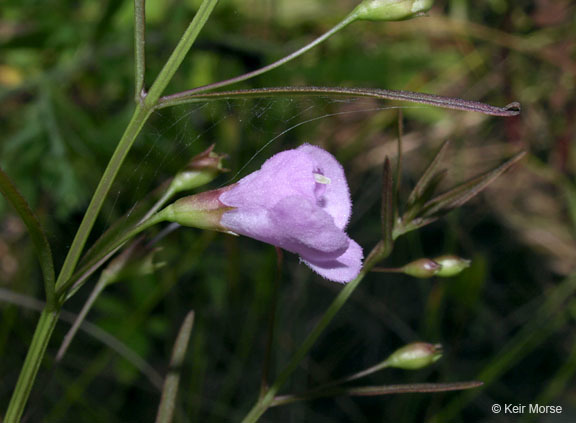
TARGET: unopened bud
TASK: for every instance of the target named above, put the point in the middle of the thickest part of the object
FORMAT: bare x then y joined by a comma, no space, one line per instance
451,265
422,268
391,10
415,356
200,170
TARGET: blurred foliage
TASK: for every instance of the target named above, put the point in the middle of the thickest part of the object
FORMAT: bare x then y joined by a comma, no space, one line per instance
66,94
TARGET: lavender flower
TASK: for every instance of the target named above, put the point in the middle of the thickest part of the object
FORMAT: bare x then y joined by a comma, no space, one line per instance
299,201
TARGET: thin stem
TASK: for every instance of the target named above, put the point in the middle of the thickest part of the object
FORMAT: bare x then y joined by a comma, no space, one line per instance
141,115
271,324
170,389
90,329
387,269
89,268
161,202
139,49
98,288
179,53
342,24
319,390
103,281
185,97
266,401
40,340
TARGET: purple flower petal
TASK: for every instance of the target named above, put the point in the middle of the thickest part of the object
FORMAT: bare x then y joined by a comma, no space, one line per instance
299,200
342,269
337,196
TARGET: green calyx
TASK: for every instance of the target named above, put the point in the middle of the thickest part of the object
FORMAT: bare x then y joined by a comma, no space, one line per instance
203,211
451,265
422,268
391,10
415,356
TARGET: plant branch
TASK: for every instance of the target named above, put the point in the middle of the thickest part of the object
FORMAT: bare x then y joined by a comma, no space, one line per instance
267,362
42,334
342,24
170,389
92,330
179,53
139,49
141,115
266,400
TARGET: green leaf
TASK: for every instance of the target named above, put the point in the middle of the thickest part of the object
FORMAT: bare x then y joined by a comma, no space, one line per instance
460,194
376,391
194,96
414,209
39,239
170,390
430,174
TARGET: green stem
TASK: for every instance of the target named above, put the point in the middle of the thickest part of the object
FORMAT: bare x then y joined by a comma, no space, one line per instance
98,289
320,390
267,400
42,335
180,51
170,390
75,282
88,269
138,120
267,362
342,24
139,49
141,114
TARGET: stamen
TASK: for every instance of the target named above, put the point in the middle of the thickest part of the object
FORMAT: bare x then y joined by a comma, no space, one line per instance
321,179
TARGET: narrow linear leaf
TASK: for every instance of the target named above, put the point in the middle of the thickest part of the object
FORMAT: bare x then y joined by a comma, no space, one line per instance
388,209
92,330
365,391
511,109
414,209
465,191
39,239
428,175
170,390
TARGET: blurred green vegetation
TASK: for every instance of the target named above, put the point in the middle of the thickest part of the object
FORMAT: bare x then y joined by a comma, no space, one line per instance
66,89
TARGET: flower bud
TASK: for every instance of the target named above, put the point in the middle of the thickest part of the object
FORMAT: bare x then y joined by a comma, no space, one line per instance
391,10
422,268
415,356
451,265
200,170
